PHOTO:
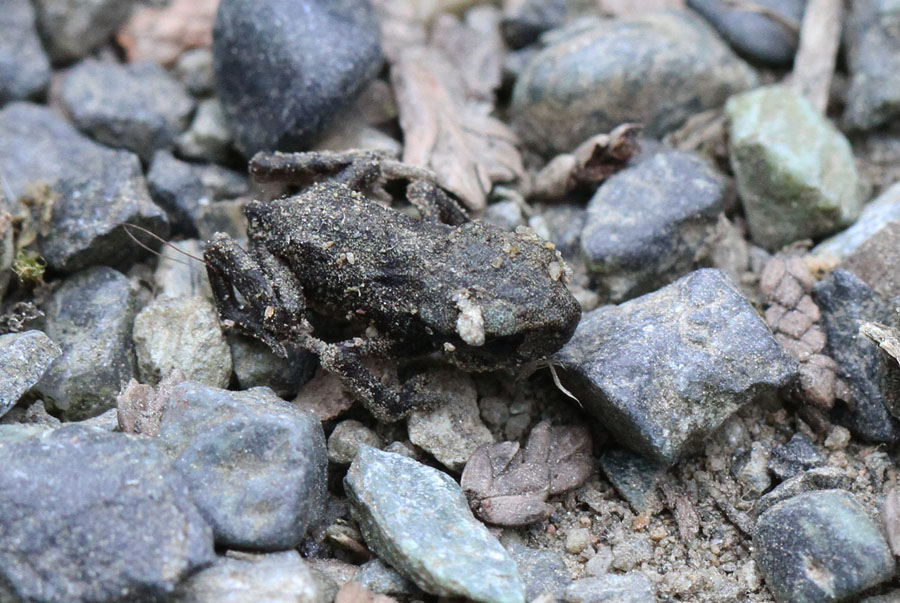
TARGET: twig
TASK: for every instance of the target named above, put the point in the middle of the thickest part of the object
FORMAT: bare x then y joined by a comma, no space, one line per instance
820,37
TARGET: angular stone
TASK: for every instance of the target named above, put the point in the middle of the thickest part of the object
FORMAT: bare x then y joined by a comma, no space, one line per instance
820,546
875,261
255,465
24,68
795,457
753,33
178,275
795,171
95,190
657,69
646,223
181,333
634,477
664,371
256,364
136,106
418,520
633,587
24,357
380,578
543,571
346,439
88,515
873,52
208,137
246,578
846,303
72,28
284,68
821,478
176,187
875,215
90,318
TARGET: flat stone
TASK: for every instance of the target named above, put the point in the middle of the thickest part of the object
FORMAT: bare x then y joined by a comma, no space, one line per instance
657,69
175,186
418,520
799,454
873,53
177,275
874,261
452,431
181,333
380,578
633,587
209,136
24,68
135,106
90,318
634,477
284,68
646,224
753,33
820,478
94,189
245,578
543,571
88,515
346,439
795,171
255,465
72,28
846,302
663,371
24,357
256,364
820,546
875,215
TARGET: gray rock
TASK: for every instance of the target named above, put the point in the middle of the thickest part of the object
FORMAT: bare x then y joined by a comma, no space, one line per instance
95,189
209,136
505,214
256,364
220,182
664,371
72,28
633,587
90,318
254,463
753,33
795,457
417,519
452,431
181,333
820,546
285,67
875,261
633,477
646,223
562,226
523,22
88,515
873,53
657,69
875,215
795,171
175,186
822,478
177,275
347,437
24,357
24,68
846,302
194,69
752,472
223,216
631,552
245,578
543,571
136,106
380,578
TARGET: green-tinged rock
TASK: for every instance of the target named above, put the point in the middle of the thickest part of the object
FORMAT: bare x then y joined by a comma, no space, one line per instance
795,172
417,519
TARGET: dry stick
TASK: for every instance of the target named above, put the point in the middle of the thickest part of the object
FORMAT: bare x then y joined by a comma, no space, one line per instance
820,37
152,234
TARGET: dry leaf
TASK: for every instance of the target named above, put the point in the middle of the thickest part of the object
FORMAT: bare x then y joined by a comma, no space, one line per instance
162,34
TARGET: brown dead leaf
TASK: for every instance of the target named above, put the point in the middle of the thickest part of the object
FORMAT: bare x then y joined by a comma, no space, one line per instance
162,34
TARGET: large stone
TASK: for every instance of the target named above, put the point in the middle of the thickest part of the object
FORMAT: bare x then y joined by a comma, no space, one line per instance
846,302
418,520
255,464
88,515
24,68
284,68
657,69
24,357
646,224
137,106
90,317
93,190
875,261
875,215
820,546
873,52
795,171
751,31
664,371
72,28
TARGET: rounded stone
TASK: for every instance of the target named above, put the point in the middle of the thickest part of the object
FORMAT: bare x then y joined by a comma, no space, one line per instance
285,67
